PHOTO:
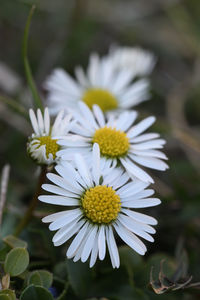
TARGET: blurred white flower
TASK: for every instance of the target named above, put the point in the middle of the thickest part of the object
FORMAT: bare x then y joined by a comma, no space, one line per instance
10,81
120,142
103,84
42,145
140,61
99,201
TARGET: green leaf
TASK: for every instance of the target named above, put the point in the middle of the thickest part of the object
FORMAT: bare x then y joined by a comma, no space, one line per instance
120,291
7,295
128,256
114,284
14,242
130,259
62,294
41,278
3,252
16,262
80,277
33,292
27,67
129,293
4,297
60,270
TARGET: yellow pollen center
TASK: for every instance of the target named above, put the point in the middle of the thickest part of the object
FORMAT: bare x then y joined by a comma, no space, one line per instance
104,99
51,145
101,204
112,142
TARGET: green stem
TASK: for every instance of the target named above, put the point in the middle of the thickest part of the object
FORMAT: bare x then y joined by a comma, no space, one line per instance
27,67
32,205
14,105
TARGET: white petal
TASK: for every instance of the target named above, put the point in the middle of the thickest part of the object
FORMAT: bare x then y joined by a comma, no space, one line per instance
81,131
141,203
102,242
94,252
107,73
141,194
73,173
154,144
89,244
53,217
137,93
70,177
74,214
121,181
111,176
152,153
58,190
83,121
66,232
46,121
132,188
136,171
121,80
96,163
125,120
63,182
140,127
112,247
99,115
132,227
150,162
81,77
128,221
80,249
130,239
74,141
40,121
83,170
77,241
57,123
59,200
34,121
93,69
144,137
60,81
140,217
87,114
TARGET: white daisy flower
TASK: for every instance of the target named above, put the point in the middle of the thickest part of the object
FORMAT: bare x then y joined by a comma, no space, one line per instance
140,61
99,201
102,84
42,145
120,142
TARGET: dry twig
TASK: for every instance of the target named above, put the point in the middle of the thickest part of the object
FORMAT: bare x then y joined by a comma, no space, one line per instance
3,191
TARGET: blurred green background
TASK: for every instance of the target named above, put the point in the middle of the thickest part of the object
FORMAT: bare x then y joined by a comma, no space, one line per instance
64,33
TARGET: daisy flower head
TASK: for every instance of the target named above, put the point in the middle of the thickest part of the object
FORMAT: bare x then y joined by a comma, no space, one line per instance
103,84
42,144
139,60
120,142
99,201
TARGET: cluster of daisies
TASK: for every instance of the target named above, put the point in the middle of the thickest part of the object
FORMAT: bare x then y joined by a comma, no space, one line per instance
99,154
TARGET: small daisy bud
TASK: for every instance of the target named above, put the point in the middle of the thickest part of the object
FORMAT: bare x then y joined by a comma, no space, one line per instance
42,144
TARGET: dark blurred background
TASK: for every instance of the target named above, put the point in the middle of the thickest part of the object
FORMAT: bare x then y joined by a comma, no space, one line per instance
64,33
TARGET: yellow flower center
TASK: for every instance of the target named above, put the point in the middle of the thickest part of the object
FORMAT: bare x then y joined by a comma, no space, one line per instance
112,142
104,99
101,204
51,145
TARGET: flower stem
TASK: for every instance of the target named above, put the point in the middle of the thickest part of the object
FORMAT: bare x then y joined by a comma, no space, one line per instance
28,215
